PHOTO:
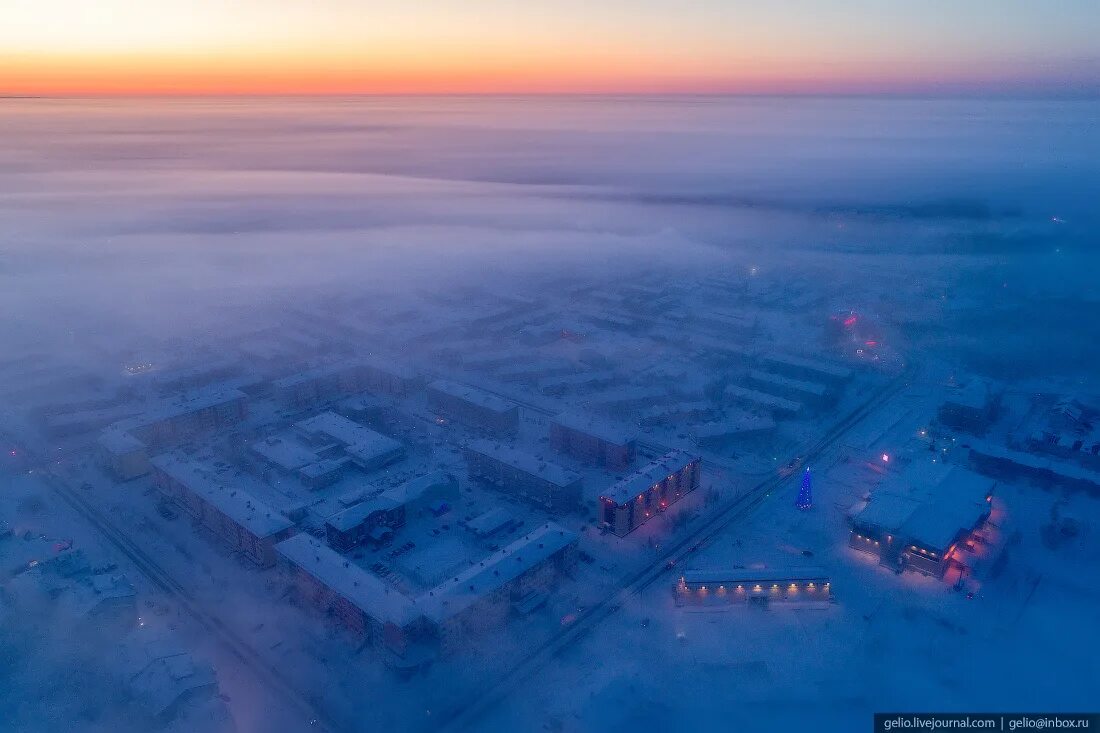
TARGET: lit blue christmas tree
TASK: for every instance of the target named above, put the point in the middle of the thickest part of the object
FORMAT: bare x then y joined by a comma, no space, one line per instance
806,493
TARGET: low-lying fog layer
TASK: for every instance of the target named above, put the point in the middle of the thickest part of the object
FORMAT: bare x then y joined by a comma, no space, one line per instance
147,212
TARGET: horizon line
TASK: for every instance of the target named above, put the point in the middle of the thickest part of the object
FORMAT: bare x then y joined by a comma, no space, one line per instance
1065,95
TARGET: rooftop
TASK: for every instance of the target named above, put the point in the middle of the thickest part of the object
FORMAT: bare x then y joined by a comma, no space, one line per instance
473,395
762,399
733,576
813,388
628,489
601,429
360,587
501,567
525,462
285,452
834,371
243,508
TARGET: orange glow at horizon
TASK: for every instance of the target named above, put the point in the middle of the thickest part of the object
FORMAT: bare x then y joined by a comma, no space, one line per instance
263,74
194,47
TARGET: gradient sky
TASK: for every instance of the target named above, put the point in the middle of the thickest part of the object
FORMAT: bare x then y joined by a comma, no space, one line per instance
1045,47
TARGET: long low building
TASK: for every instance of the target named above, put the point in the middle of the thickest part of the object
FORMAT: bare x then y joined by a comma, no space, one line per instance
702,587
996,460
733,427
762,401
472,406
814,394
918,519
631,502
124,446
319,384
810,370
359,599
193,412
478,598
240,519
523,474
593,441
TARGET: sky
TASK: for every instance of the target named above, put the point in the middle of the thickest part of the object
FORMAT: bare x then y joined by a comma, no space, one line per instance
194,47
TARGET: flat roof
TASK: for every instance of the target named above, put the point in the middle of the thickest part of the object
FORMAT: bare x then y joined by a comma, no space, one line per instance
1060,468
812,388
835,371
595,427
412,490
360,587
338,428
243,508
415,488
887,511
310,375
323,467
627,489
763,399
285,452
118,441
490,521
193,401
975,395
525,462
630,393
734,425
473,395
373,447
353,516
928,503
765,575
501,567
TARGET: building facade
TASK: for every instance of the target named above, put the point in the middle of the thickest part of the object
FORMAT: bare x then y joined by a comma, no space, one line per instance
633,501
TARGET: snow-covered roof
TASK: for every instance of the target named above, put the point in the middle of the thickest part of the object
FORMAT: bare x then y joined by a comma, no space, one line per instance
501,567
743,576
762,399
118,441
490,521
285,452
323,467
317,373
525,462
339,428
373,447
736,424
353,516
365,590
798,385
193,401
656,471
832,371
974,395
928,503
473,395
887,511
595,427
415,488
1029,460
243,508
